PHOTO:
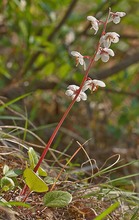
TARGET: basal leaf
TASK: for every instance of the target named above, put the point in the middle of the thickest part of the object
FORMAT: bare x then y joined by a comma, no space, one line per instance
14,173
33,159
7,183
42,172
57,199
34,182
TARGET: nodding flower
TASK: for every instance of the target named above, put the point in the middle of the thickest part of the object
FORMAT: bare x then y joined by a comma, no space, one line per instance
104,54
108,38
116,17
93,84
94,23
79,59
72,91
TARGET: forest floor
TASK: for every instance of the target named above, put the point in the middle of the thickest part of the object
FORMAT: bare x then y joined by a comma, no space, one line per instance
89,198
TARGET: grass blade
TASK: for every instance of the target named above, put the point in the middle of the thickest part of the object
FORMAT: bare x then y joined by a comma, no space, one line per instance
107,211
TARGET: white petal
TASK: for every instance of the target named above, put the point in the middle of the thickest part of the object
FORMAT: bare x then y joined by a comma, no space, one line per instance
69,92
113,34
73,87
83,96
107,43
104,57
102,39
110,51
85,87
88,82
94,23
116,20
78,99
99,83
115,39
121,14
91,18
81,61
95,27
75,53
97,57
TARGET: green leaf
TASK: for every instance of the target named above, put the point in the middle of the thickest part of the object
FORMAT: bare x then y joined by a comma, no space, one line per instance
57,199
49,180
7,183
34,182
13,173
33,159
5,169
42,172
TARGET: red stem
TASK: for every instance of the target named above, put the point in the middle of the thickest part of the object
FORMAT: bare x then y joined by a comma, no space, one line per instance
68,109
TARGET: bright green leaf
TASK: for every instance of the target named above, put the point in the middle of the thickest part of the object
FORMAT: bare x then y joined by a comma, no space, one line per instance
42,172
7,183
34,182
33,159
57,199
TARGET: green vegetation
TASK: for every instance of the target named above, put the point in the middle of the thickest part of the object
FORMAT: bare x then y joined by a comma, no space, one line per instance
91,169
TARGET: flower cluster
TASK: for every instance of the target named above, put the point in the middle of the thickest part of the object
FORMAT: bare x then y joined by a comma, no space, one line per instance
93,85
107,38
103,52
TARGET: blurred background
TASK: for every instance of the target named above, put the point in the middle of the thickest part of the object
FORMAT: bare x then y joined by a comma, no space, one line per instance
36,38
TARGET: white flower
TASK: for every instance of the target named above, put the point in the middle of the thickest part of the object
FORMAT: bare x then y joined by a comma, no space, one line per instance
72,91
79,58
94,23
108,38
104,54
93,84
116,17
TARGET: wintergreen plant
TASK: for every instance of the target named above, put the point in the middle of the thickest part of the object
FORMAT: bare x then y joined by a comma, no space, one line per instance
78,93
9,178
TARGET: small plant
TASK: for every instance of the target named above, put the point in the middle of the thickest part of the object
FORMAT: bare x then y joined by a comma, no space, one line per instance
9,179
37,184
76,93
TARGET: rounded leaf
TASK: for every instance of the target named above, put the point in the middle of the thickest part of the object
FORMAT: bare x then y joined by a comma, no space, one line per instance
34,182
7,183
33,159
57,199
14,173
